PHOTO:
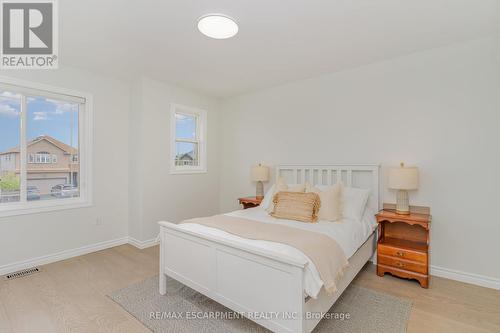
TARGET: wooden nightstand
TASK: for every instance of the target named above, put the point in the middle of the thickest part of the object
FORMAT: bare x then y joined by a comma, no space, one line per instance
403,244
250,202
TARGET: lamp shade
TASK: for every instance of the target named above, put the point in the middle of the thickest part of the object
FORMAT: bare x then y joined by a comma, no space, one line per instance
260,173
403,178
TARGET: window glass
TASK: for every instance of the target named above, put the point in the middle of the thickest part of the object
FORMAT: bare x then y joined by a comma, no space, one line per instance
186,154
10,137
52,136
185,126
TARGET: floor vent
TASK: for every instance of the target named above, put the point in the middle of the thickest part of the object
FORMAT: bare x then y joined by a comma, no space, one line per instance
23,273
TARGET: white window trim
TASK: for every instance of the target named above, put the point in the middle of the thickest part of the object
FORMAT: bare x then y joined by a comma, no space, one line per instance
42,158
201,130
85,151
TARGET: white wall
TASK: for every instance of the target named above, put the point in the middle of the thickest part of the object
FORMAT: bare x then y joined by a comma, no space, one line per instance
155,194
439,110
136,163
29,236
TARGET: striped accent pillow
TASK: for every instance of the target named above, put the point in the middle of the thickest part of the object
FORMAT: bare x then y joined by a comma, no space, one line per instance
296,206
282,186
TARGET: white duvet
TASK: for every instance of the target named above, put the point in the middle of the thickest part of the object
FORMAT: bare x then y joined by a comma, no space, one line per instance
349,234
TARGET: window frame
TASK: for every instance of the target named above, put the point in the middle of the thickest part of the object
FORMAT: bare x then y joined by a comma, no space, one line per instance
85,139
42,157
201,139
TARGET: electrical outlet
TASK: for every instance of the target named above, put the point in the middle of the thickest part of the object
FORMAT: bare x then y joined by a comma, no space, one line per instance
98,221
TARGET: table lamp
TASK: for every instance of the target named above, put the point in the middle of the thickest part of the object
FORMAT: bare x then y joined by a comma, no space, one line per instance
403,179
260,174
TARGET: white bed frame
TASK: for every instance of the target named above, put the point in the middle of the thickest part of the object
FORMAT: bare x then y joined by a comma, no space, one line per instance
267,289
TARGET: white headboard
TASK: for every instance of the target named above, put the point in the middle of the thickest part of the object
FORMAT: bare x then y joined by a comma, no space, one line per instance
360,176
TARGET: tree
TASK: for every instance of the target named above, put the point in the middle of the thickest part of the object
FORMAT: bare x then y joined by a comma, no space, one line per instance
9,182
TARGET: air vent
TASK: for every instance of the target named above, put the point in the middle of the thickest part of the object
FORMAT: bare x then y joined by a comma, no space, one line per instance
23,273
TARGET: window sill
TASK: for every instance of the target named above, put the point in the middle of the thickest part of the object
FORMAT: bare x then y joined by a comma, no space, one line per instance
187,171
15,209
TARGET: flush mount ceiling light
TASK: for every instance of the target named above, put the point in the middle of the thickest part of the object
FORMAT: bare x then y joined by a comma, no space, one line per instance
217,26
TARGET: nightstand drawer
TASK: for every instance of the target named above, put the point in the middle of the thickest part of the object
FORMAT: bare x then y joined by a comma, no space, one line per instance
402,253
402,264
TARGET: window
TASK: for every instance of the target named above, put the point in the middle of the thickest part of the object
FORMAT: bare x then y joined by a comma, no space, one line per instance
41,130
188,141
43,157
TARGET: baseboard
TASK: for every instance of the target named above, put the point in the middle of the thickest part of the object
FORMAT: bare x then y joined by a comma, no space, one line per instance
471,278
143,244
479,280
50,258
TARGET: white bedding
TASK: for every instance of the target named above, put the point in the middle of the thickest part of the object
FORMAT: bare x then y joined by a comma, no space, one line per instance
349,234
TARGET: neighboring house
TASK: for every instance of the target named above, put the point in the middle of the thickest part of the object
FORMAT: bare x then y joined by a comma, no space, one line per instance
50,162
186,159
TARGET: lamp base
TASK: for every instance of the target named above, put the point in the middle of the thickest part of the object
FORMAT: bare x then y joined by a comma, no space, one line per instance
402,203
259,194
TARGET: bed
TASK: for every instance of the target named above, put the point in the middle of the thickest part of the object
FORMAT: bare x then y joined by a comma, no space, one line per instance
270,283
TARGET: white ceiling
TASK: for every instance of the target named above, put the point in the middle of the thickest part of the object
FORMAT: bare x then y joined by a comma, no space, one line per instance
278,40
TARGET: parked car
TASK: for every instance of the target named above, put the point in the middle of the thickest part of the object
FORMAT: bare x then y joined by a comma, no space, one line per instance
9,196
64,191
33,193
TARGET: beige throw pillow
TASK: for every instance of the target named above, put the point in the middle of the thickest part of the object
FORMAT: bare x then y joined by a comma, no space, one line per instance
282,186
297,206
332,203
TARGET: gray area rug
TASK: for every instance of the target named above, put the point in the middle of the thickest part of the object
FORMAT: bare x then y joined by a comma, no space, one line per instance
185,310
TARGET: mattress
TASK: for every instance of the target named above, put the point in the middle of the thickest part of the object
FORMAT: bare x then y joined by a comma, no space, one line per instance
349,234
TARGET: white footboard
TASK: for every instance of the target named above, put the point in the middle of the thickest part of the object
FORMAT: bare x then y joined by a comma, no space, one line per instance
266,289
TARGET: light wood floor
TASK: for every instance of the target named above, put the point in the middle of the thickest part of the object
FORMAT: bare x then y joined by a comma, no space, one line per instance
70,296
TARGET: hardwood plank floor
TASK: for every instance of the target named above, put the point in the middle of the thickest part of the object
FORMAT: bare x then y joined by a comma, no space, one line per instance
70,296
447,306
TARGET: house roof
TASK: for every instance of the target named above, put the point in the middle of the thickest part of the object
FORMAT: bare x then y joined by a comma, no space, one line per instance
61,145
189,155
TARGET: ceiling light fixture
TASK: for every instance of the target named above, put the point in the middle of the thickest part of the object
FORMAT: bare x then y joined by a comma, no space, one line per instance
217,26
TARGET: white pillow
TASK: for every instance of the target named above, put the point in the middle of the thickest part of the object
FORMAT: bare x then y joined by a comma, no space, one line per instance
267,198
332,201
355,200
